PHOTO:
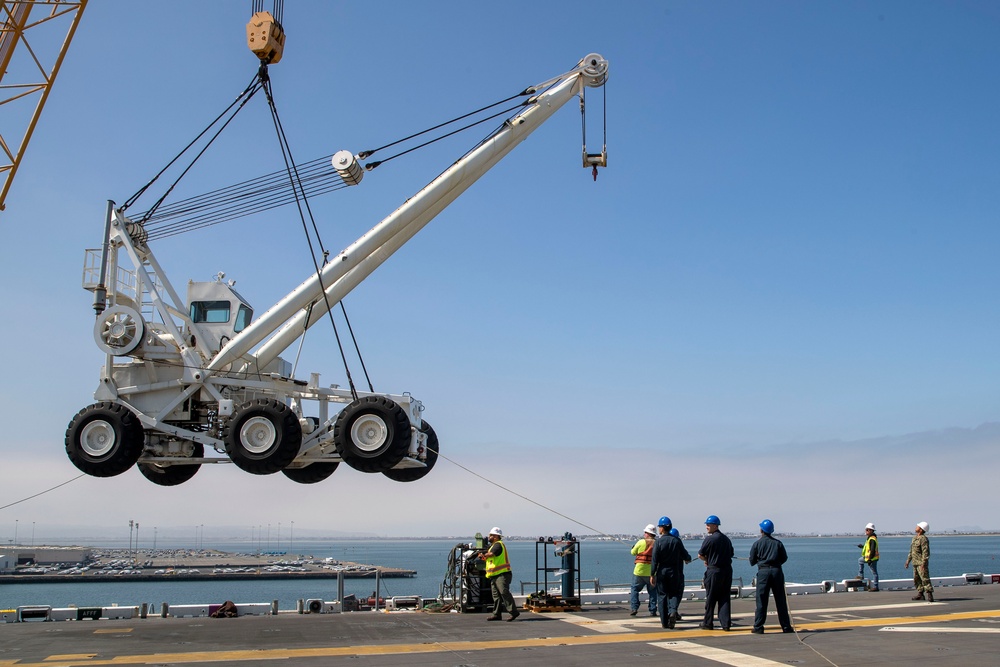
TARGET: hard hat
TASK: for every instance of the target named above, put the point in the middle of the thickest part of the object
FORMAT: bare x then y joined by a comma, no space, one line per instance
924,526
496,531
650,528
713,519
675,532
767,526
870,526
664,521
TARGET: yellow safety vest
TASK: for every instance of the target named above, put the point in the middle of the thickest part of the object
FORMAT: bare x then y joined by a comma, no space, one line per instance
496,565
870,550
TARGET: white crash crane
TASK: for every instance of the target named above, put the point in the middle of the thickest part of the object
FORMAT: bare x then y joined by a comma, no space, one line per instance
183,376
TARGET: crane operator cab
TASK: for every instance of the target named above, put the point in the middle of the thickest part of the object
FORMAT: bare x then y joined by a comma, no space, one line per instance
218,310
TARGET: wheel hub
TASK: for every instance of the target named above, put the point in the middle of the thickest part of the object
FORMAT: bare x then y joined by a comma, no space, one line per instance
369,433
258,435
97,438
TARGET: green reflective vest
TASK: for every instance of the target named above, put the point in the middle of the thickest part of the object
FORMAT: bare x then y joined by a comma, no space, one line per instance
870,551
496,565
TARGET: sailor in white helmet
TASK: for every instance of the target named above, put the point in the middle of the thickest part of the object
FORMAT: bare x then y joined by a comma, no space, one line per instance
499,575
920,555
869,556
643,552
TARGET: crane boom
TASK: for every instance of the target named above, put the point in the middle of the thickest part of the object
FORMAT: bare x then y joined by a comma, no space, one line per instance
356,262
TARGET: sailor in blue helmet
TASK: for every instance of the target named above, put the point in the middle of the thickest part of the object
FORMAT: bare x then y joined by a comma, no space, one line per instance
669,556
717,552
768,554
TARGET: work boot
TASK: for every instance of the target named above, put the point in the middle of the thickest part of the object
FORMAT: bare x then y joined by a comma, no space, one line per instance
918,596
930,596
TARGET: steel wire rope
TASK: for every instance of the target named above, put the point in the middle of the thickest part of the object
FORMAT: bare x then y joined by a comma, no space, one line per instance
245,96
159,214
290,167
372,165
41,493
368,153
241,199
524,497
245,188
234,211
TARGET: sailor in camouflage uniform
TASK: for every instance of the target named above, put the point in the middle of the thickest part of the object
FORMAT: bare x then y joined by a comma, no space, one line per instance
920,554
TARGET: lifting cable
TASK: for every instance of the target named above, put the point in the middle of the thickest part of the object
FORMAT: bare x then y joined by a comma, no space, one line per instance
239,103
272,190
298,191
368,153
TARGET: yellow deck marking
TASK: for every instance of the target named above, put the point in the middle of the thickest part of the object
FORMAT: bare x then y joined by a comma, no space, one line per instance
110,631
240,656
72,656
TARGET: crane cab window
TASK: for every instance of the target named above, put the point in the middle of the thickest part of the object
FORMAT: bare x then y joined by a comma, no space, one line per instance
243,317
210,312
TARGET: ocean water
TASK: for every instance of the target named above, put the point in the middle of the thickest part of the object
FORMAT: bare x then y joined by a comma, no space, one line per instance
810,560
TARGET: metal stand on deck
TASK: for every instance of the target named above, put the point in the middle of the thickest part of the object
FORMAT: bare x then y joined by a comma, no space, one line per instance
567,550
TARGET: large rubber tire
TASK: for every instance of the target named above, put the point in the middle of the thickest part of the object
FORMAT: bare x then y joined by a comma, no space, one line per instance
413,474
372,434
312,473
263,436
172,475
104,439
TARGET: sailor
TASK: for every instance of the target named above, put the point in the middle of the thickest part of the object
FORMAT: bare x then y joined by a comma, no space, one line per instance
669,557
643,552
717,552
920,554
869,555
768,554
499,575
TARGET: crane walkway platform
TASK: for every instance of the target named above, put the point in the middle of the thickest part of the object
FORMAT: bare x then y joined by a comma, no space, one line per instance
885,628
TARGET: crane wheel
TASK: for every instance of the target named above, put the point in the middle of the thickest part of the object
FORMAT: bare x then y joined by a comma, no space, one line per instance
310,474
263,436
372,434
104,439
413,474
175,473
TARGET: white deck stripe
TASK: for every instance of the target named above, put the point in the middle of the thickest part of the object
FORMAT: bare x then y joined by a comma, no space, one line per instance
718,654
982,631
597,626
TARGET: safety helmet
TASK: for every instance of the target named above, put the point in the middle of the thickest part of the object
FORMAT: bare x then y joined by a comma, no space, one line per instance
767,526
870,526
664,521
496,531
675,532
650,528
713,519
924,526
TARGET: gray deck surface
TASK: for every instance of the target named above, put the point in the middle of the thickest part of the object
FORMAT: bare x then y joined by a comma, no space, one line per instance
843,629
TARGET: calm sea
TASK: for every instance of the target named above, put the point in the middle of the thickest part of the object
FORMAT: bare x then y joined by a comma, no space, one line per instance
810,560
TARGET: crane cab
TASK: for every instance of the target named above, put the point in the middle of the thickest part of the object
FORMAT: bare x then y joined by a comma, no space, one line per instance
218,310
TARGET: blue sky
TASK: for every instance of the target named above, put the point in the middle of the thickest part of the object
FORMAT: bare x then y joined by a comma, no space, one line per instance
779,299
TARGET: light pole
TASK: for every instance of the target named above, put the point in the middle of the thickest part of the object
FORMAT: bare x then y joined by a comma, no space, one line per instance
268,548
131,524
154,538
291,539
136,541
